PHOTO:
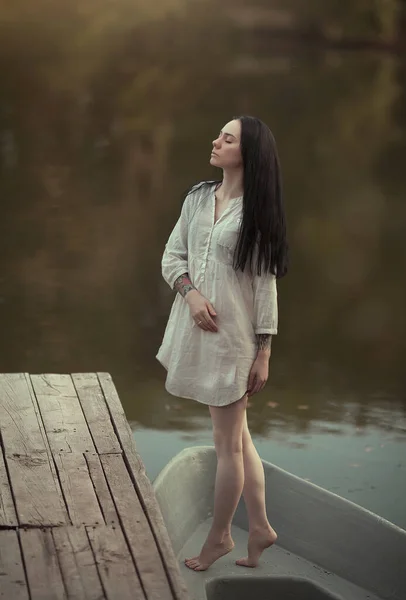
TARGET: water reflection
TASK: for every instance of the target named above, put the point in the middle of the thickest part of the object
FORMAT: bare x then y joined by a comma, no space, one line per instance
105,121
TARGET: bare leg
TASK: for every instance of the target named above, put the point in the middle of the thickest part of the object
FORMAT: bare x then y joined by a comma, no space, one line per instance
227,432
261,534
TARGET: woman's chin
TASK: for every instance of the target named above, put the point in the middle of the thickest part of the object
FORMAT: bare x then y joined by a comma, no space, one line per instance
214,161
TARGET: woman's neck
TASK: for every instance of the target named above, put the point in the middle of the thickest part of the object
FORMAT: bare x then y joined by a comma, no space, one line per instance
232,185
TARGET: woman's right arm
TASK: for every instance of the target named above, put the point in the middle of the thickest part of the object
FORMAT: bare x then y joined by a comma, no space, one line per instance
175,272
175,257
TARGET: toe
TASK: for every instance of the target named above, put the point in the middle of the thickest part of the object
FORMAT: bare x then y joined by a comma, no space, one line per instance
243,562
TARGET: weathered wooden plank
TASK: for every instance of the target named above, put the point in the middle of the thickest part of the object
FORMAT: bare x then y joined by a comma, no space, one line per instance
115,490
46,442
38,500
12,577
62,414
101,489
137,530
143,486
77,563
116,568
77,486
120,423
153,514
96,412
41,563
18,420
8,515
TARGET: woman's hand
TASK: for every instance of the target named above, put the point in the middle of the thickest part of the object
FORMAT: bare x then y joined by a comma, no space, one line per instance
258,375
201,310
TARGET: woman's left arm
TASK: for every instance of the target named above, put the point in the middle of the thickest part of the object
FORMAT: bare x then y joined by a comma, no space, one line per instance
265,326
265,308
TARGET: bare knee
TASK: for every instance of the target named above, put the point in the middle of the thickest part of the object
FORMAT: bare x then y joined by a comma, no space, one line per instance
227,443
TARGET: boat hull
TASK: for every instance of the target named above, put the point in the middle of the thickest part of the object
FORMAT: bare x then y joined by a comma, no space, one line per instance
341,549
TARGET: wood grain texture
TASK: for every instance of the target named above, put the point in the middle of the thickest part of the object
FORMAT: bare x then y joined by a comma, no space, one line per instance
120,423
80,497
13,584
19,425
115,564
8,516
137,530
77,563
42,566
153,513
70,472
96,412
38,500
101,489
62,414
46,442
143,487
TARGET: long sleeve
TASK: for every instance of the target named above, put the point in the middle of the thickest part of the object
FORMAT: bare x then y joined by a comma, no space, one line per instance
175,257
265,304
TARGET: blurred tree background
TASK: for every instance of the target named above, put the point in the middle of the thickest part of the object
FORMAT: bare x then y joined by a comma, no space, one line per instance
107,111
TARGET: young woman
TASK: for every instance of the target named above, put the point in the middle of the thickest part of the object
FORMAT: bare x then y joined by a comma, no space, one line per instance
223,258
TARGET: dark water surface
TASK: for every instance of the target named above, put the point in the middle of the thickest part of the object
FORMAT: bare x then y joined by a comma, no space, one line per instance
103,126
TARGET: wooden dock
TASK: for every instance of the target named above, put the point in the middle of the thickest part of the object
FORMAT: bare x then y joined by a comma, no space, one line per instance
78,516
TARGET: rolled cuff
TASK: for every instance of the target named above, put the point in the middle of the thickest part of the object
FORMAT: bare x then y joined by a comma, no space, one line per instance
266,330
171,270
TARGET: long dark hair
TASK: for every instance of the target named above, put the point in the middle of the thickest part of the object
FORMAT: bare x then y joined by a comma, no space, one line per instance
263,219
263,227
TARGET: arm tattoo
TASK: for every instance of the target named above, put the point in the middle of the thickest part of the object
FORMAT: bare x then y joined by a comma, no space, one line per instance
264,341
183,285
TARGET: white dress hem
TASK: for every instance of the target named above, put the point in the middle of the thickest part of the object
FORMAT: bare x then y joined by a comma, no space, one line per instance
172,392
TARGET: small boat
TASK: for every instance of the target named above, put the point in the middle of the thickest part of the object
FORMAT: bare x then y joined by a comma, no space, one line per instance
327,547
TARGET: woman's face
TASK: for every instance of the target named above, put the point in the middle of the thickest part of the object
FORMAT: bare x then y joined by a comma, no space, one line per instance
226,147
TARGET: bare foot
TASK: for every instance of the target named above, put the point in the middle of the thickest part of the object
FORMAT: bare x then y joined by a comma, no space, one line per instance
258,541
209,554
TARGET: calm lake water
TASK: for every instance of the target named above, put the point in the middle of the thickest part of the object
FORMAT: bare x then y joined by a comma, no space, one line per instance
98,142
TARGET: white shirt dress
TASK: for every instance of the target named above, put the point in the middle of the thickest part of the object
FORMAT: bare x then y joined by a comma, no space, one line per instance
213,368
